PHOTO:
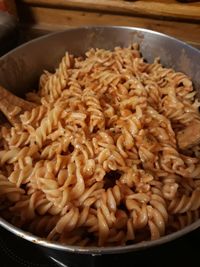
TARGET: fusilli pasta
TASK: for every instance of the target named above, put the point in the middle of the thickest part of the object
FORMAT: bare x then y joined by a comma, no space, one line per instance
96,161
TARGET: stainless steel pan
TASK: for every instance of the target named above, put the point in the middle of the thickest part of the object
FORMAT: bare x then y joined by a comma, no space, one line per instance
21,68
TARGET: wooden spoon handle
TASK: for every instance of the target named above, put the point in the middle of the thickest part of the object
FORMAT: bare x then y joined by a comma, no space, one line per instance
12,105
15,100
190,136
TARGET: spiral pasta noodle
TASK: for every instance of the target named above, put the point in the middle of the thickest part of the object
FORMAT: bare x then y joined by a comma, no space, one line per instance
96,161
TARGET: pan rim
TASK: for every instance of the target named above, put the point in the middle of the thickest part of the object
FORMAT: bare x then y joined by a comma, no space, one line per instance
98,250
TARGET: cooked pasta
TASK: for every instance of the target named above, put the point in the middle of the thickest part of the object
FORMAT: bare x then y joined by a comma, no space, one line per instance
96,161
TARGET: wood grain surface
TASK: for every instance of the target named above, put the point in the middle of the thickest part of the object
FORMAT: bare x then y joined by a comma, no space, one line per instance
168,16
172,9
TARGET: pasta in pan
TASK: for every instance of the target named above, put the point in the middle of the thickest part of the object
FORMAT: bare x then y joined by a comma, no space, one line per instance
96,162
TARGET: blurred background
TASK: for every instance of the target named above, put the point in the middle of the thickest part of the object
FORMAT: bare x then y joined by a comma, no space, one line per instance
177,18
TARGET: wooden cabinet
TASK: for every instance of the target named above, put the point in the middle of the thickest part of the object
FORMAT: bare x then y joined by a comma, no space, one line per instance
181,20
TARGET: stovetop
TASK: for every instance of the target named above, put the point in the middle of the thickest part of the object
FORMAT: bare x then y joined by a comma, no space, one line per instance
16,252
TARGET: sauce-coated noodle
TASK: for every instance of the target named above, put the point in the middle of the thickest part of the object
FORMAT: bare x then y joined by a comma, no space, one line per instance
96,161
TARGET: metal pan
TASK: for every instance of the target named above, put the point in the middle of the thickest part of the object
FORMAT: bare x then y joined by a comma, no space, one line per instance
21,68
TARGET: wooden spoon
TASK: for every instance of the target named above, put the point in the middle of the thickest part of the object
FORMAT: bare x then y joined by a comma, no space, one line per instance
11,105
